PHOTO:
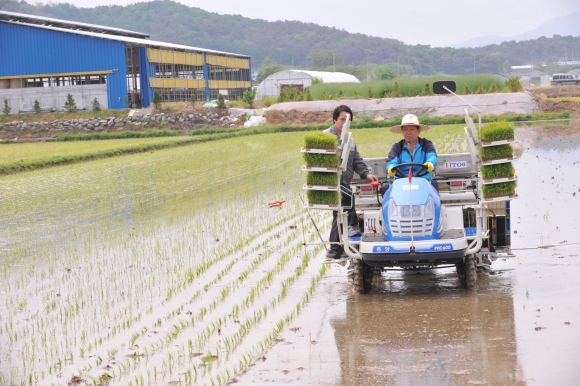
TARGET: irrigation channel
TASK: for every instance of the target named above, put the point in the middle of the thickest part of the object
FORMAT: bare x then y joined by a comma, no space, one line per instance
170,268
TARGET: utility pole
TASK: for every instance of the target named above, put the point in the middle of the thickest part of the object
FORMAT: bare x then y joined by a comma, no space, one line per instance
474,64
333,67
367,67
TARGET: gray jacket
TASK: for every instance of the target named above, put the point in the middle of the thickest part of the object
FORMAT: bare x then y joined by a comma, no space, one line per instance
355,161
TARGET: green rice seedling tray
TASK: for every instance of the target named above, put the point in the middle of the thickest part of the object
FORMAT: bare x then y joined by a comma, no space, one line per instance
320,178
490,153
317,197
320,140
495,171
497,132
504,189
321,160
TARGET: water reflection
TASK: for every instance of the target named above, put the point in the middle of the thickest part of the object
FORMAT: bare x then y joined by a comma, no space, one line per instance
419,329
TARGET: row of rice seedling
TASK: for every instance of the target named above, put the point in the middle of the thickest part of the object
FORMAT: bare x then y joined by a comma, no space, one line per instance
40,150
115,250
407,87
118,135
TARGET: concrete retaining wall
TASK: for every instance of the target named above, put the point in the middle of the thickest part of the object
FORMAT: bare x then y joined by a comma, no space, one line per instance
54,96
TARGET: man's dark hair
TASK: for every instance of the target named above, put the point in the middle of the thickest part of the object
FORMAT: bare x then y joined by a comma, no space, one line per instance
340,109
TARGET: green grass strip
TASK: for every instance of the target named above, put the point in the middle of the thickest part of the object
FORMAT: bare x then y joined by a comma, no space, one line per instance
322,197
497,170
498,190
118,135
496,152
497,131
371,124
16,167
318,178
320,140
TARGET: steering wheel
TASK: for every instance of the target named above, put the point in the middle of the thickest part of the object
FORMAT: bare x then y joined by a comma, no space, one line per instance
419,173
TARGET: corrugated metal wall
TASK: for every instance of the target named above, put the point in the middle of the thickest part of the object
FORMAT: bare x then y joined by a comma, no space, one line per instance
146,71
27,50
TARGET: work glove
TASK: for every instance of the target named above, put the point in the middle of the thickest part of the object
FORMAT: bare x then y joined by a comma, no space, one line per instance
391,172
429,166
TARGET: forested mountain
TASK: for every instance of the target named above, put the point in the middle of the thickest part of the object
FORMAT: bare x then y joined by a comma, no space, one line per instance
295,43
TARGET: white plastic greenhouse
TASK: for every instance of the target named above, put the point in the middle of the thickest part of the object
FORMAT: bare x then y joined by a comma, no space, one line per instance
300,79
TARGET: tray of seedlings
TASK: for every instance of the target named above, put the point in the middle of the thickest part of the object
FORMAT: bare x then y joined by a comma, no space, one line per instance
322,178
499,176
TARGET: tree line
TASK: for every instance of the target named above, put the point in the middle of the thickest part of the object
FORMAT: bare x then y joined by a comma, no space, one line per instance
305,45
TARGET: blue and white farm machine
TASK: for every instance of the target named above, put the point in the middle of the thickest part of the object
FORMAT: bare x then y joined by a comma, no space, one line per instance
412,227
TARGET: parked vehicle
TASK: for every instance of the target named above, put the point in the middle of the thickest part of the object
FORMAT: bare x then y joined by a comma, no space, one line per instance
562,79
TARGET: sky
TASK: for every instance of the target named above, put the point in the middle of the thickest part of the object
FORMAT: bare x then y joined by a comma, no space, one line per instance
430,22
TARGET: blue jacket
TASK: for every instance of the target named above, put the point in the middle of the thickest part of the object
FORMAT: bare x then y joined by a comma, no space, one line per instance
424,152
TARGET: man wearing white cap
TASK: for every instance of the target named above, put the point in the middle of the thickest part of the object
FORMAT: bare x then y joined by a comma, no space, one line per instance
412,148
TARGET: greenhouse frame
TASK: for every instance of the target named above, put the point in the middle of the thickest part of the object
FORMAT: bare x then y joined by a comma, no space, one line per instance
300,79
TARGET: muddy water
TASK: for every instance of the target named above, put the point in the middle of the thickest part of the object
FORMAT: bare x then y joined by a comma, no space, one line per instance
521,327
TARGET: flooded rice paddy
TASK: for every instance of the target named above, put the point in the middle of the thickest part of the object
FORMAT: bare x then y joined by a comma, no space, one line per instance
169,268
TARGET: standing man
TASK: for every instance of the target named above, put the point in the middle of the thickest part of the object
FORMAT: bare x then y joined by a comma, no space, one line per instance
355,164
412,148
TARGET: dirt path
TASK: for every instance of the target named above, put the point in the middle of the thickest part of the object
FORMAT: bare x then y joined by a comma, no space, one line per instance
489,104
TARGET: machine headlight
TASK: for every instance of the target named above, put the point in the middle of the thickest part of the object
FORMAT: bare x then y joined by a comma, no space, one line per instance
393,210
429,207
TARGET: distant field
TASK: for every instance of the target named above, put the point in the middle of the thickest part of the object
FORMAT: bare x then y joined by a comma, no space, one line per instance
408,86
575,99
39,150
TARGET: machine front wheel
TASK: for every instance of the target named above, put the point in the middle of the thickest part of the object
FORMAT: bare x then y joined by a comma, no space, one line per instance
362,276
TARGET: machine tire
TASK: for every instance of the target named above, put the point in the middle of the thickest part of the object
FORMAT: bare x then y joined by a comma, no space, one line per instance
362,276
471,272
461,273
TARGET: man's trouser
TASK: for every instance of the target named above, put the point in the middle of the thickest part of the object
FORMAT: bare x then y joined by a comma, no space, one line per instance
346,200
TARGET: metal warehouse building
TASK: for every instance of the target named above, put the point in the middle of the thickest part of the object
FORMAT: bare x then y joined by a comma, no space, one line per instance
45,59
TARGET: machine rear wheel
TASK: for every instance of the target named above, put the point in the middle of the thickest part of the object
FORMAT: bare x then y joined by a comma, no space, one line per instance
471,272
363,276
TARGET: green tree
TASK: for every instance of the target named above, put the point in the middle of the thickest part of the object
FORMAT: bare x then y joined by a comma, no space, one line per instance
266,71
96,105
36,106
307,94
340,93
384,93
514,84
249,97
396,93
193,98
370,93
323,59
70,103
384,73
6,110
466,90
157,99
317,80
426,90
221,102
493,88
480,89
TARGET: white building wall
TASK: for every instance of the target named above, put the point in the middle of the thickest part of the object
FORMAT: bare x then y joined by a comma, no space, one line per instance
54,97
